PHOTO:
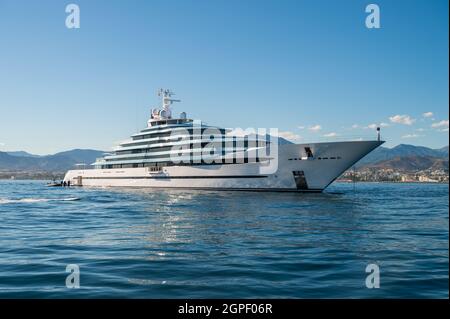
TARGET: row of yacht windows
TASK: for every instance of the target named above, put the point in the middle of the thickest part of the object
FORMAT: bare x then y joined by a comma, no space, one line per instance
196,153
155,124
319,158
174,133
234,145
244,160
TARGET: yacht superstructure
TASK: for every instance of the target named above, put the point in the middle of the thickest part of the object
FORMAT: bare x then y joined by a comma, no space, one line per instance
184,153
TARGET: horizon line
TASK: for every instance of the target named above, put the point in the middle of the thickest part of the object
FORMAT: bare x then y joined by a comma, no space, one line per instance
98,150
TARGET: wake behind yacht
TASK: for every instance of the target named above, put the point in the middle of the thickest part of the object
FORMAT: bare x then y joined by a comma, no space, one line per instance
178,152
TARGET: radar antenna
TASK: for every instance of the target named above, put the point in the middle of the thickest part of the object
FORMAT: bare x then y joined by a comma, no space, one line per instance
166,95
164,113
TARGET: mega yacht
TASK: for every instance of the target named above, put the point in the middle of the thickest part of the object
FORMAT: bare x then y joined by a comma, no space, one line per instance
178,152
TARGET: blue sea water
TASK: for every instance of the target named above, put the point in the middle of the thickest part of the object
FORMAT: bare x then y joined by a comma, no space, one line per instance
144,243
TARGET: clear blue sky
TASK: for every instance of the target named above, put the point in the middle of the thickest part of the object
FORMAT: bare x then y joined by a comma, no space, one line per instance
295,65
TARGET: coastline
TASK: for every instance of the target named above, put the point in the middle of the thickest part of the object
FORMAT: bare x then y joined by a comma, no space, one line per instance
57,177
389,182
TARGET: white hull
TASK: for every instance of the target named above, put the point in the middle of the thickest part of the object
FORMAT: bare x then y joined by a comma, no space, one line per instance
318,173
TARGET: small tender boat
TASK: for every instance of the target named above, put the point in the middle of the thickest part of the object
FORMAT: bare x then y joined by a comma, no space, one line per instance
54,184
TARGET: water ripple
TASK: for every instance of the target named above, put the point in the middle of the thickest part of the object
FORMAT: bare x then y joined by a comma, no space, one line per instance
141,243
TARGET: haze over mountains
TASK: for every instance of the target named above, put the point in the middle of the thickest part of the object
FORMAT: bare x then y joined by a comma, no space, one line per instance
412,164
402,150
58,162
405,157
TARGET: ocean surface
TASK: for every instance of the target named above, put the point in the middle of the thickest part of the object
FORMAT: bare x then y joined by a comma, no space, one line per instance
144,243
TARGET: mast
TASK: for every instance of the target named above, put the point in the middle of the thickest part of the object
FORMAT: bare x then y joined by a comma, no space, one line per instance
165,113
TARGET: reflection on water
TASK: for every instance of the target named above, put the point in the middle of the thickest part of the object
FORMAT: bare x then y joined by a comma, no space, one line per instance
179,243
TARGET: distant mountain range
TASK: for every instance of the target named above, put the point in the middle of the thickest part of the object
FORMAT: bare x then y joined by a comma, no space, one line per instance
412,164
404,152
22,153
402,157
58,162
